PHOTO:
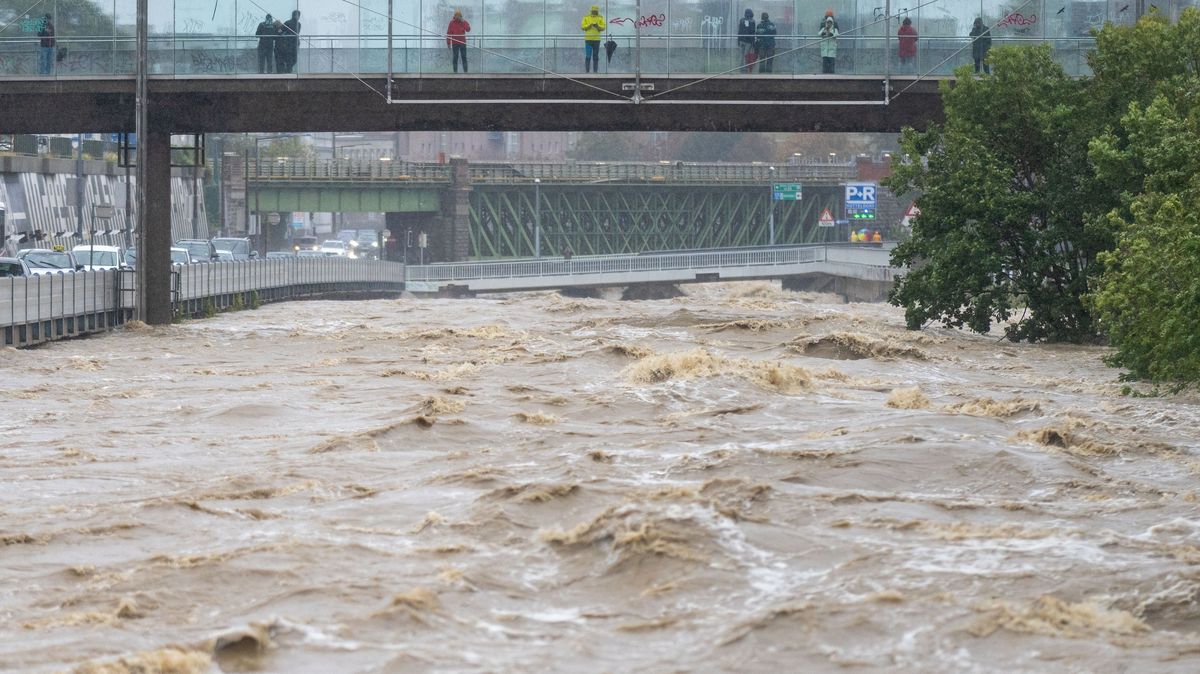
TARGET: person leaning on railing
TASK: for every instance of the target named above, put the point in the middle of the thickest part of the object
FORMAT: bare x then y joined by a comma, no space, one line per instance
266,33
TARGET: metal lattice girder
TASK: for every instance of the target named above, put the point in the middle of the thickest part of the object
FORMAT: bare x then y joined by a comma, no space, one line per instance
611,219
276,198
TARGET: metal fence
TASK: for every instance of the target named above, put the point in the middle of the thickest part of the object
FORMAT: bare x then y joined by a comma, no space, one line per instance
43,308
581,267
937,54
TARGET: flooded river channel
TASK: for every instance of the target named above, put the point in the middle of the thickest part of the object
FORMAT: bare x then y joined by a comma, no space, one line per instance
741,479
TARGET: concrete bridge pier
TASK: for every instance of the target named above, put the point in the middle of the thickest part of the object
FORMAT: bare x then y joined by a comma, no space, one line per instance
154,230
850,289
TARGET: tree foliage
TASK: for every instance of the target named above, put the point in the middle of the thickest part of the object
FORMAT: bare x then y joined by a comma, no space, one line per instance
1148,297
1038,188
1004,200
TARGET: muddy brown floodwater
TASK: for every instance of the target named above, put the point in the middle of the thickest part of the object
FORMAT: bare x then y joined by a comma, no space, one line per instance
742,479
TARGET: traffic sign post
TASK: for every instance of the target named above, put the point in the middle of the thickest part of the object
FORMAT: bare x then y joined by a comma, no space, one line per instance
860,201
786,192
826,219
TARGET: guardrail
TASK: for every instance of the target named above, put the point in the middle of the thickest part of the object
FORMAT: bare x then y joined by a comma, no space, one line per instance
512,173
685,173
663,52
55,306
579,267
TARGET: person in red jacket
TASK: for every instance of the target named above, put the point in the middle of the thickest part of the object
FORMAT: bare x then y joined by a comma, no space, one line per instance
456,39
907,36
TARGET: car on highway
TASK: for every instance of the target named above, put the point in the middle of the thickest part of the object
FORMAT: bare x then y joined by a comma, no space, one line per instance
229,248
200,250
50,261
335,248
14,267
309,253
179,255
94,257
300,243
366,244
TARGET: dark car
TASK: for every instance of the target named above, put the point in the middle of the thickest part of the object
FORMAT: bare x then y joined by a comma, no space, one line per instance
230,248
11,266
199,249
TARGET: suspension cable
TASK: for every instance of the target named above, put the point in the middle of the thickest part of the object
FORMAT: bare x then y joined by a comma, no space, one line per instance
954,54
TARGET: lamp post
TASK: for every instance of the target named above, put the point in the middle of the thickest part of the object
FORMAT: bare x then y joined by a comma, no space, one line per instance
771,206
537,217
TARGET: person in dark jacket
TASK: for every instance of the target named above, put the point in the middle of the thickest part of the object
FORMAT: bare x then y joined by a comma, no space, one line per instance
746,38
456,39
289,42
766,44
46,48
266,44
981,42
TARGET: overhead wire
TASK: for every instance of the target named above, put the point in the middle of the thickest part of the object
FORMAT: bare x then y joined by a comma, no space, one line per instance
541,69
954,54
811,42
310,43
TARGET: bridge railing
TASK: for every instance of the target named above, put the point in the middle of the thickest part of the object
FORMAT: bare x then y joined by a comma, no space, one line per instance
43,308
352,170
549,55
687,173
580,267
524,173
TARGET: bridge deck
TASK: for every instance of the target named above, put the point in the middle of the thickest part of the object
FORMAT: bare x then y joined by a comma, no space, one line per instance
447,103
866,263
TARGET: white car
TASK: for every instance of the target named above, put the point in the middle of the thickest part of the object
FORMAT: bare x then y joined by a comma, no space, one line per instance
99,257
179,255
335,248
47,261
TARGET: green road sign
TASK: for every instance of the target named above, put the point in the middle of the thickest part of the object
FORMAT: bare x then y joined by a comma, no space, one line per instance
786,192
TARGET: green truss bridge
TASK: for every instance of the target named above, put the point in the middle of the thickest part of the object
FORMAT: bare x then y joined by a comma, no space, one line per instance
477,211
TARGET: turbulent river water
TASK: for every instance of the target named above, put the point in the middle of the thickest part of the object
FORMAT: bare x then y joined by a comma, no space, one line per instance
741,479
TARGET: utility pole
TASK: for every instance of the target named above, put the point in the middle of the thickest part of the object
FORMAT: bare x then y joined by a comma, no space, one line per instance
537,217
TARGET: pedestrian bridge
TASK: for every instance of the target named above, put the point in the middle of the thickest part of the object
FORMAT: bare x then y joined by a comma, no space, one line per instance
380,66
866,266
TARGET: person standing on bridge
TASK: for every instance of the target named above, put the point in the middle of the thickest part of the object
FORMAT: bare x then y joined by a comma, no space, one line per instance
981,42
907,37
766,44
46,48
746,36
266,44
290,42
828,35
456,39
593,26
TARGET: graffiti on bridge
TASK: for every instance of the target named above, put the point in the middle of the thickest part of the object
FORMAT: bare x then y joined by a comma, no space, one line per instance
656,20
1017,19
208,61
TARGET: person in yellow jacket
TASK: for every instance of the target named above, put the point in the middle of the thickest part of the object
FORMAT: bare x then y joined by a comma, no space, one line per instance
593,25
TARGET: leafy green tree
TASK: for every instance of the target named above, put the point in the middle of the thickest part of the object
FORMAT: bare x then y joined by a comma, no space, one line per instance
1148,298
1004,193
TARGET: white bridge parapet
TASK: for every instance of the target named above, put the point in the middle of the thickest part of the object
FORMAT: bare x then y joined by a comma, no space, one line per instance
859,261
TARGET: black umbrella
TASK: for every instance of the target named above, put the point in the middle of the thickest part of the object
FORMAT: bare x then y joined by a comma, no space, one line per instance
609,48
